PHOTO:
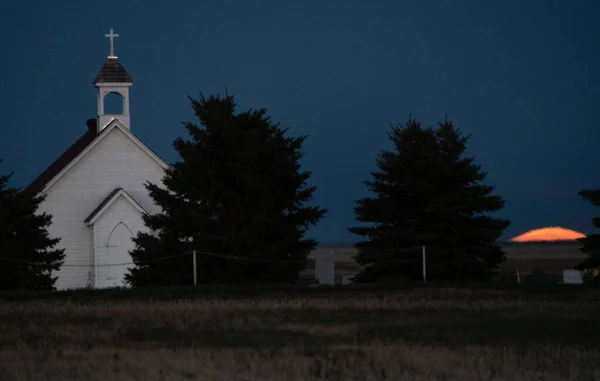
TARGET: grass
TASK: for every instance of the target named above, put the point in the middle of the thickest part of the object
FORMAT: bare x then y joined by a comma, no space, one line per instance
351,333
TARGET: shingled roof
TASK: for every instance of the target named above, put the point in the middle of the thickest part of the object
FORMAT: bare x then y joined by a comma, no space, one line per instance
63,160
112,72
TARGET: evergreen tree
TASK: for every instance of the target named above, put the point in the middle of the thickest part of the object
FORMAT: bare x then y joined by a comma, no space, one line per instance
591,243
428,193
27,254
238,191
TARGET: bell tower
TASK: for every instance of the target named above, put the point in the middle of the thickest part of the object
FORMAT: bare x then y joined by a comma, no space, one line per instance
112,78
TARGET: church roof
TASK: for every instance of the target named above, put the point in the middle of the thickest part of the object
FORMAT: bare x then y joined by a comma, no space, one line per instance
112,72
72,152
102,204
108,200
66,157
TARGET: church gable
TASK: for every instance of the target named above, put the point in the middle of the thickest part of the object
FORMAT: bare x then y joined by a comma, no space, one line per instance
113,135
86,207
107,203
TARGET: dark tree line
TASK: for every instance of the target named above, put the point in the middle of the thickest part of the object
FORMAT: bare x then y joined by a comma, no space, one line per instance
27,254
239,190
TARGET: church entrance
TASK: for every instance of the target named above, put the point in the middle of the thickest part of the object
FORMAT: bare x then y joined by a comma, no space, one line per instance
119,261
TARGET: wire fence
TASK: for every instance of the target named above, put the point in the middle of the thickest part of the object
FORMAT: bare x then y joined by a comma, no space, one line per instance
324,266
16,261
329,267
207,254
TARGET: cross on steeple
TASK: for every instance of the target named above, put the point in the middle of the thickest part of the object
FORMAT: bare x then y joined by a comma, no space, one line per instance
112,36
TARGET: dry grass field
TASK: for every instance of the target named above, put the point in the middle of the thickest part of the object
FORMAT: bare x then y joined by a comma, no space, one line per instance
411,334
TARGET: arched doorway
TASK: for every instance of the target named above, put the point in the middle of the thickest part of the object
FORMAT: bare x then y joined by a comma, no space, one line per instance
119,261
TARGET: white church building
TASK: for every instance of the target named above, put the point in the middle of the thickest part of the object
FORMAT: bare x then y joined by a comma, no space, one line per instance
95,190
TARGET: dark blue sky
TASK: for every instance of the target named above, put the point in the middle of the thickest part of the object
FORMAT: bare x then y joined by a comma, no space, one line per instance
520,76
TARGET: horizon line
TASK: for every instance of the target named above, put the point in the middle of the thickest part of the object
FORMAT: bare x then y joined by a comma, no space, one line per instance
502,243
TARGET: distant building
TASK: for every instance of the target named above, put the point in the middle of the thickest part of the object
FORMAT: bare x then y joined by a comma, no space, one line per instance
546,260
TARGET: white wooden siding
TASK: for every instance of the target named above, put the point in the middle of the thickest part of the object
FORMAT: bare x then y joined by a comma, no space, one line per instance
114,162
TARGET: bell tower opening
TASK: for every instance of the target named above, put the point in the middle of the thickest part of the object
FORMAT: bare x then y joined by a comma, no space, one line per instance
113,104
112,83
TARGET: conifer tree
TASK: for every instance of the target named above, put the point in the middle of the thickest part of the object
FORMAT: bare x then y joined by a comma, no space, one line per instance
590,244
428,193
237,192
27,252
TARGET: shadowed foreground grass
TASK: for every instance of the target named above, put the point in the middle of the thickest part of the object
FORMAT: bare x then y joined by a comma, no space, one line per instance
412,334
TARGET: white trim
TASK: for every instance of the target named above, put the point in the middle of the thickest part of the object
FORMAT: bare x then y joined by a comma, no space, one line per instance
112,200
101,136
113,84
113,117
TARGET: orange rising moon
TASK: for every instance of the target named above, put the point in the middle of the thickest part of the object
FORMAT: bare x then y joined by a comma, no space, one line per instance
553,233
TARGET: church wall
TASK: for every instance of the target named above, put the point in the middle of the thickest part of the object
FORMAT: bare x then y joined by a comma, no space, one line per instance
114,162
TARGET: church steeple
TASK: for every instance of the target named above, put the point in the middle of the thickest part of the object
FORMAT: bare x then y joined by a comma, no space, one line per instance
112,78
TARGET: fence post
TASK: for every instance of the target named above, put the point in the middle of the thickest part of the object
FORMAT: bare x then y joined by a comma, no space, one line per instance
325,268
424,265
195,270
